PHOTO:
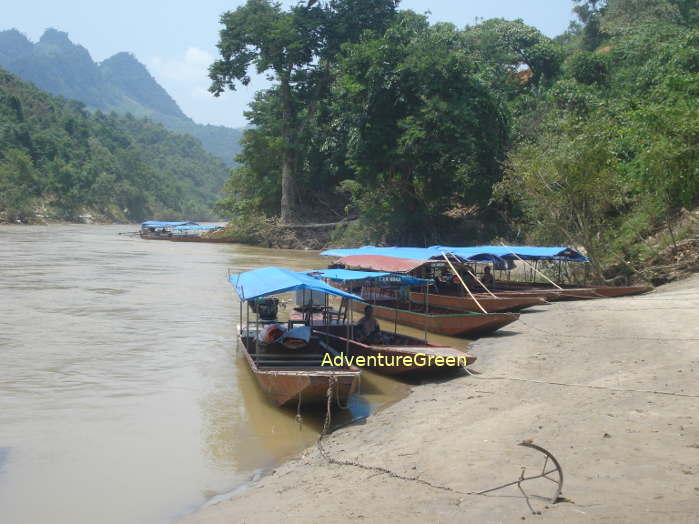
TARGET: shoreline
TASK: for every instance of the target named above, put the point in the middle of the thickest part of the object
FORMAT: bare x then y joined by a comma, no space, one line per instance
584,379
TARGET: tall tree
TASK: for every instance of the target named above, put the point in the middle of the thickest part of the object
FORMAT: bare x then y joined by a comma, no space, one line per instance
424,131
295,46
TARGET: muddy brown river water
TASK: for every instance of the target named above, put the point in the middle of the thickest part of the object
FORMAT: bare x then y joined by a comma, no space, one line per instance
123,398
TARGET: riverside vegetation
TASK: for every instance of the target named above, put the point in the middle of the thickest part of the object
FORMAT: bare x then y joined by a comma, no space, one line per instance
120,84
417,133
59,160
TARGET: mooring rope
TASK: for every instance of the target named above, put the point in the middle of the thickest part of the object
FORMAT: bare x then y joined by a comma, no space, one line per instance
589,386
588,337
386,471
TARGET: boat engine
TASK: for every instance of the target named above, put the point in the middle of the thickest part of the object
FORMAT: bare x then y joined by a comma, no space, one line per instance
266,308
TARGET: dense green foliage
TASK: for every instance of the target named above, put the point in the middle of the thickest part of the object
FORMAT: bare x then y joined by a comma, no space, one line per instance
59,158
120,84
427,133
615,149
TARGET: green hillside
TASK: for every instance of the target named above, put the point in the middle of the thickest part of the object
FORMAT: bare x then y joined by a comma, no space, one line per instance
60,160
120,83
432,134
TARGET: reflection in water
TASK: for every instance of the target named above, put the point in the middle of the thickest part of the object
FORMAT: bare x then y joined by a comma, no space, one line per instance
122,397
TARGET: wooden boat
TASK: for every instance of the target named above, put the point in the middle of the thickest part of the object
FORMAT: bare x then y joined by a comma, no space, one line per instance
568,293
297,376
439,319
490,304
178,231
398,354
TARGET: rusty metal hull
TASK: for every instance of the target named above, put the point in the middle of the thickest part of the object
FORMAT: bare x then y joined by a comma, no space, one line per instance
289,386
490,304
444,321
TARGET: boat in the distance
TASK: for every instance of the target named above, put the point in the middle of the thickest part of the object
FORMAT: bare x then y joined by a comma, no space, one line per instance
292,365
178,231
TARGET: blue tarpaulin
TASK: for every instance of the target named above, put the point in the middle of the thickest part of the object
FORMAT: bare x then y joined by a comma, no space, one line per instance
468,254
347,275
196,227
414,253
275,280
523,252
156,223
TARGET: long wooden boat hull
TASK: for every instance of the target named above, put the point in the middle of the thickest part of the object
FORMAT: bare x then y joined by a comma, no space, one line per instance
403,356
621,291
293,385
582,293
185,238
453,323
490,304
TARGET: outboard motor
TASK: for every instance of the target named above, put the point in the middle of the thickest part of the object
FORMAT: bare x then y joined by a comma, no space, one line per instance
266,308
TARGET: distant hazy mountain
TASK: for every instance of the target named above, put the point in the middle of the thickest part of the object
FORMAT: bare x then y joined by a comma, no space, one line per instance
120,83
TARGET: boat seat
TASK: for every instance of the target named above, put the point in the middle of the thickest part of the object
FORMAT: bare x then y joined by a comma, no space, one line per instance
292,365
289,356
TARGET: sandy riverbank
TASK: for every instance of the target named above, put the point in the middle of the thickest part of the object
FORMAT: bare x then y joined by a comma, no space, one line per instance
627,456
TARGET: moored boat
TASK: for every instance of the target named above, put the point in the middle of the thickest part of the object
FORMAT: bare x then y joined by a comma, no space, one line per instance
292,366
568,293
491,304
441,320
178,231
396,354
299,375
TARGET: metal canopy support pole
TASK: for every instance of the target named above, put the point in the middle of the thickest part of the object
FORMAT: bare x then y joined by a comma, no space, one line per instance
257,329
547,278
427,307
349,304
463,283
395,317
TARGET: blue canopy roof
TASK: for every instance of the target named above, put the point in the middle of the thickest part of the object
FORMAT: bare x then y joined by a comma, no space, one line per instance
157,223
468,254
347,275
189,227
414,253
523,252
275,280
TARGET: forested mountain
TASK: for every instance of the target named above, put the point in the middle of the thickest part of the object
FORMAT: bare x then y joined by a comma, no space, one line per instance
429,133
60,160
120,83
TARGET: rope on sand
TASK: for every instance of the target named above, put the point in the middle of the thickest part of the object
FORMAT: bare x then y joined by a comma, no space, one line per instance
588,386
545,471
590,337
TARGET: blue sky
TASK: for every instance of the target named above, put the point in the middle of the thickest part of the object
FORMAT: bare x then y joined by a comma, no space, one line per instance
176,39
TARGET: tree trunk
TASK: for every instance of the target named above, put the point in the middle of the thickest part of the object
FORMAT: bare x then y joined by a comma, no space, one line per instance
288,203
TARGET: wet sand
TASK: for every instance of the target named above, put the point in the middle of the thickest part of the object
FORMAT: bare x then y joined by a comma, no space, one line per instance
585,380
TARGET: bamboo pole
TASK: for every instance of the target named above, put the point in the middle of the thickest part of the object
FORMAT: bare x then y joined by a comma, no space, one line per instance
463,283
539,272
481,283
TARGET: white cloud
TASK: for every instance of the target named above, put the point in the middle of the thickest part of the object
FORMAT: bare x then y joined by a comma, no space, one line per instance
186,78
191,66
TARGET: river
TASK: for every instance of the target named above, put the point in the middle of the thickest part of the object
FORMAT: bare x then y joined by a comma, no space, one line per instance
123,398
